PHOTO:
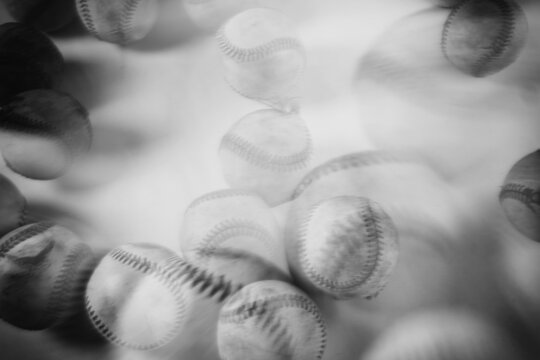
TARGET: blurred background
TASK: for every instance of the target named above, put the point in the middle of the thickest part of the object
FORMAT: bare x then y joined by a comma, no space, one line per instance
375,79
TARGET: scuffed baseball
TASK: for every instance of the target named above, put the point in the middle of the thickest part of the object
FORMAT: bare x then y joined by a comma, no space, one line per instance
482,37
118,21
43,270
263,57
271,320
140,296
266,151
520,195
41,131
346,246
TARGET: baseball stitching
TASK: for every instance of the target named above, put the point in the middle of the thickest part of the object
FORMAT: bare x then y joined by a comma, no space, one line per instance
501,42
231,228
265,313
61,292
173,275
264,159
23,235
256,53
344,162
124,26
86,17
372,223
524,194
218,195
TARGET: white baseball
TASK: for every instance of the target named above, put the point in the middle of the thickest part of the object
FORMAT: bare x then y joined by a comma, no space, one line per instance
271,320
268,152
140,295
263,57
43,269
428,215
234,220
346,246
118,21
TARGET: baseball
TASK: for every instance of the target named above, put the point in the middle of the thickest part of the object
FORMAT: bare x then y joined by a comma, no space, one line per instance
442,334
12,206
43,270
520,195
139,295
29,60
263,58
346,246
223,222
426,211
42,131
270,320
410,192
46,15
482,37
268,152
119,22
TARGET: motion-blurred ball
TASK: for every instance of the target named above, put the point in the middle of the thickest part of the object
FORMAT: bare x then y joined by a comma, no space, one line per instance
271,320
41,131
441,335
118,21
28,60
268,152
263,57
46,15
520,195
12,206
233,233
44,268
482,37
346,246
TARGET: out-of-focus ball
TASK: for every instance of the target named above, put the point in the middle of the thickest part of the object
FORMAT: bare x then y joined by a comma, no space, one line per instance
520,195
46,15
143,296
271,320
42,131
482,37
268,152
12,206
118,21
233,232
44,268
443,334
211,14
263,57
346,246
28,60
